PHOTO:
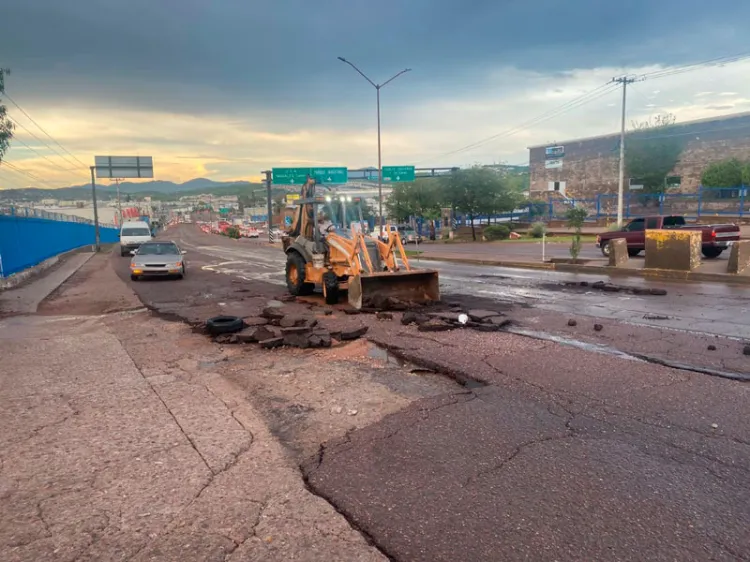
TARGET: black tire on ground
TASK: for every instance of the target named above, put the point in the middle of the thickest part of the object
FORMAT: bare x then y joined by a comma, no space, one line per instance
295,275
330,287
224,325
605,248
711,253
633,253
134,278
122,252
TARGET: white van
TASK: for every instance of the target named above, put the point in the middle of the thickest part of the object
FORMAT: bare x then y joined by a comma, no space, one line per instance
132,235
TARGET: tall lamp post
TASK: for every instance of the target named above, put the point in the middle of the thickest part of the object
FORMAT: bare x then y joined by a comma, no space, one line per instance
380,163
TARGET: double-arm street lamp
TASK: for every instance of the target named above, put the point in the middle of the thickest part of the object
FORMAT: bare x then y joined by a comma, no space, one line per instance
380,163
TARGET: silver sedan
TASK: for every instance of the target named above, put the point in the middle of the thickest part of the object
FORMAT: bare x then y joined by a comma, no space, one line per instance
162,258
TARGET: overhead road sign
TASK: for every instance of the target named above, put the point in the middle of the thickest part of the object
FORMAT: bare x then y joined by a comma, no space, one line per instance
298,176
113,167
330,175
290,176
398,173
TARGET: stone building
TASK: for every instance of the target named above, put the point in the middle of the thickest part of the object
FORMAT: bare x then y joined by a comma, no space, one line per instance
584,168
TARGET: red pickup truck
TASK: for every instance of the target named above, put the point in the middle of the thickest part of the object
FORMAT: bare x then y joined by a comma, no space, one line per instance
716,237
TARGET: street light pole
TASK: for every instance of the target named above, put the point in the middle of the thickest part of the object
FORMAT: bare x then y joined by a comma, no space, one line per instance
380,159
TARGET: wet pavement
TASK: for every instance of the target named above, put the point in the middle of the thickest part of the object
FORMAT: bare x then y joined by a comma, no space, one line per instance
552,453
709,308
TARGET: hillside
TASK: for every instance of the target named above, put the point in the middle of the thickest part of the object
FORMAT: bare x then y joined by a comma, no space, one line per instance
159,190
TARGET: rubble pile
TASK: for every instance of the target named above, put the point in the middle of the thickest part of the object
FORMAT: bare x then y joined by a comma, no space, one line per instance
275,327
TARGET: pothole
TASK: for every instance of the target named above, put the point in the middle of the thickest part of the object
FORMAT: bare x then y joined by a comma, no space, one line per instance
388,357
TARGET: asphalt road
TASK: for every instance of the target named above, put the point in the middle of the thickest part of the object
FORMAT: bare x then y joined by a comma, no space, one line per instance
555,453
693,307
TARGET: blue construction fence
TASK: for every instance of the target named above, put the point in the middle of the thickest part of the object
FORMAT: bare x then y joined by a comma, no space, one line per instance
30,236
705,202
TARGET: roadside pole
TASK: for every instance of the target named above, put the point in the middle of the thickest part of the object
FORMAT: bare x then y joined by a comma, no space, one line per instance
269,205
544,246
96,211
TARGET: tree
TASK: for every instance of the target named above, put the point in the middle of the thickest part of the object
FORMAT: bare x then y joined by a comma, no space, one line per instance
726,173
652,151
6,125
476,191
576,217
278,205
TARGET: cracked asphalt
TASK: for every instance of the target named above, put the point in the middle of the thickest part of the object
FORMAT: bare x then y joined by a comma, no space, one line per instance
556,453
121,441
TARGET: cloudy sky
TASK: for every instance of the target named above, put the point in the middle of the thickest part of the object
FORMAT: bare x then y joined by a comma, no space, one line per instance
226,88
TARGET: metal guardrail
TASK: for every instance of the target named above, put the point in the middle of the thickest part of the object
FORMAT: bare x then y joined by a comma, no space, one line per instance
32,212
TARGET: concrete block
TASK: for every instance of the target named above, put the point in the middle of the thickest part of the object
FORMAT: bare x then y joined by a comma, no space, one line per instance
678,250
618,254
739,257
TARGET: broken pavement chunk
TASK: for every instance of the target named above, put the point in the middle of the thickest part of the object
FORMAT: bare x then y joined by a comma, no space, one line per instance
255,334
273,313
435,325
411,317
272,343
353,334
482,315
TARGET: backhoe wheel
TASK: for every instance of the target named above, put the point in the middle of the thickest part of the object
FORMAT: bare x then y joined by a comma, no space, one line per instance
295,275
330,287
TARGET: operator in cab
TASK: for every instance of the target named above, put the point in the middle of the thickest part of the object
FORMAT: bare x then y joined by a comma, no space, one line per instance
324,224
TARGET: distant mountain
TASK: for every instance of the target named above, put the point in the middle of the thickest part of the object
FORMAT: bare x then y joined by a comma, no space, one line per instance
158,189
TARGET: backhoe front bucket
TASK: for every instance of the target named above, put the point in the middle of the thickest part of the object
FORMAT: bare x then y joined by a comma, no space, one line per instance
371,290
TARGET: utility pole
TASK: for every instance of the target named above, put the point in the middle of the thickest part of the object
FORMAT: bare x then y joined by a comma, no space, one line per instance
119,205
96,211
269,203
380,160
624,80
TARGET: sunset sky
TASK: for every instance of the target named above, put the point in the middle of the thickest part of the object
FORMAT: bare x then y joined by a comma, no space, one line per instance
225,89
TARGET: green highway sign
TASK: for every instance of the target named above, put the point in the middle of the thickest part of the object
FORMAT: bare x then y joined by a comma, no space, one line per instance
298,176
398,173
330,175
289,176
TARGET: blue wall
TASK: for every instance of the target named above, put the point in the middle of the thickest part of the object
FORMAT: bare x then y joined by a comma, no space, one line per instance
27,241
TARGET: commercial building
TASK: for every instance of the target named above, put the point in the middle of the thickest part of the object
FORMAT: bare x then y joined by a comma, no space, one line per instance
585,168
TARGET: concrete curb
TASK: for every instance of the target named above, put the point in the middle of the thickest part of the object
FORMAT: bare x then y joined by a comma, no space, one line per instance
662,274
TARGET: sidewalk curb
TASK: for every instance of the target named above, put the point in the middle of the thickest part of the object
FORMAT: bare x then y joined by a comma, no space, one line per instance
662,274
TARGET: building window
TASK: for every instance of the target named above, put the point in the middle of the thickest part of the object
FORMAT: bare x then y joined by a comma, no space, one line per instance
557,186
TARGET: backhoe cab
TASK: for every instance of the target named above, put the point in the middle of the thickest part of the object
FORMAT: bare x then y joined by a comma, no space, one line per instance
319,253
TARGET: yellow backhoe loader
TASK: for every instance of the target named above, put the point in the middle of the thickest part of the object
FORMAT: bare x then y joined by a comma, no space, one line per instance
344,259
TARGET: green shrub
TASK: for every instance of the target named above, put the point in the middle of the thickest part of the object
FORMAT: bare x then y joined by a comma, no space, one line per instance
496,232
233,232
538,229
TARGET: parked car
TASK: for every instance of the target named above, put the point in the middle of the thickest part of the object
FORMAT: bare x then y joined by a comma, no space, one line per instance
409,235
716,237
160,258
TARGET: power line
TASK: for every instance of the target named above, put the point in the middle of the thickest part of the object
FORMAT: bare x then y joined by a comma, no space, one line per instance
18,170
32,149
41,141
43,130
11,181
588,97
718,61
